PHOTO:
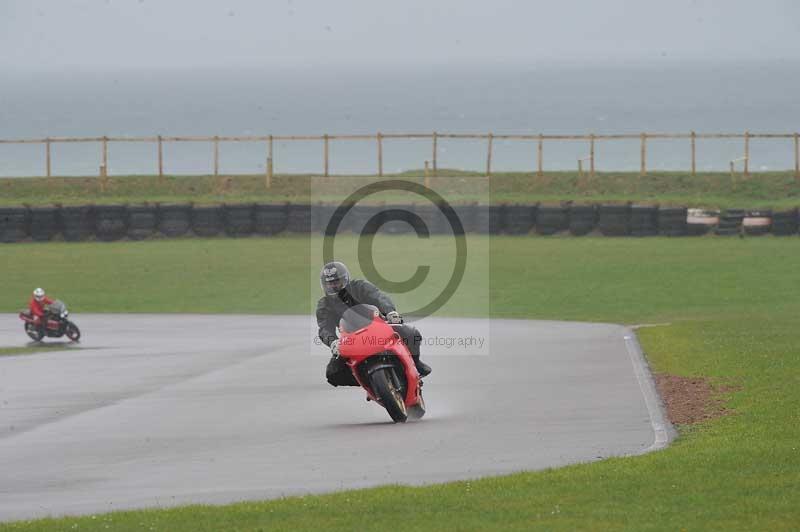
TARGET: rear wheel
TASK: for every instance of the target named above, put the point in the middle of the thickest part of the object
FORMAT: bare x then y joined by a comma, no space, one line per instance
72,332
35,333
383,384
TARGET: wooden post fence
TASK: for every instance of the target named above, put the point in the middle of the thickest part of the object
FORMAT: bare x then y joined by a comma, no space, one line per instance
435,150
380,154
160,158
426,174
591,155
694,153
105,157
326,143
47,156
216,156
489,156
539,150
797,155
643,155
746,153
270,162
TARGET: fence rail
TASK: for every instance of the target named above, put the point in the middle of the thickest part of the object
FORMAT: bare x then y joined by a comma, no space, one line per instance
379,138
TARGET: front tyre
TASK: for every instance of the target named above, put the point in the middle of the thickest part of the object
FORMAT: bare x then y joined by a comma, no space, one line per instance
418,410
35,333
72,332
383,385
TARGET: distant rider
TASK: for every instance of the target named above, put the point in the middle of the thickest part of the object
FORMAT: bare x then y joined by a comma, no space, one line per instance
38,305
342,293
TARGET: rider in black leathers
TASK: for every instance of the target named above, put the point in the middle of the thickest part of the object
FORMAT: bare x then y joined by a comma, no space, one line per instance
342,293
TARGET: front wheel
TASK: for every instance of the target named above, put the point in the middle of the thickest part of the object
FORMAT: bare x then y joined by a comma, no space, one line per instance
418,410
72,332
383,384
36,334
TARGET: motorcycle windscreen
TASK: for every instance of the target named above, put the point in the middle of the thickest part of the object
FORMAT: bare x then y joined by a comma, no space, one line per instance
57,307
357,317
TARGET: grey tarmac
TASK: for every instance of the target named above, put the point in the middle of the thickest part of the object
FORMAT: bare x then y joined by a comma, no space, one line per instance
161,410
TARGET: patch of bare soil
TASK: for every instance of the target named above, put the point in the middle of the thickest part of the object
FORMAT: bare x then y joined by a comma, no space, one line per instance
692,399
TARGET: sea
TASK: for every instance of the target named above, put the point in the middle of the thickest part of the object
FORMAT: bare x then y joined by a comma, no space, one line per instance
722,97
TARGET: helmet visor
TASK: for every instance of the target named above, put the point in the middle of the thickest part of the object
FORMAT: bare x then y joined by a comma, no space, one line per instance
334,286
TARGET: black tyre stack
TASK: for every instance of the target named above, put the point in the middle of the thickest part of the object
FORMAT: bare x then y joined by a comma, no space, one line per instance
582,219
298,218
239,220
552,219
614,220
174,220
520,219
77,222
784,223
730,222
142,221
468,216
110,222
672,221
207,220
14,224
270,218
644,220
433,218
45,223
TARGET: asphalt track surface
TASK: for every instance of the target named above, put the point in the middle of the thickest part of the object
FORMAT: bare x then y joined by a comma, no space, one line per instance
154,411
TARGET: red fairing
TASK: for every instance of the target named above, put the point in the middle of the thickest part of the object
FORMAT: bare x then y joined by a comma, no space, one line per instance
376,338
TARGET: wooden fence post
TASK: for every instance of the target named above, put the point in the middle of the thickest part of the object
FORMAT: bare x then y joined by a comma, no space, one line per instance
797,155
591,155
47,156
380,154
435,163
216,155
268,170
427,173
643,156
746,153
271,159
160,158
540,148
489,156
105,156
694,154
326,148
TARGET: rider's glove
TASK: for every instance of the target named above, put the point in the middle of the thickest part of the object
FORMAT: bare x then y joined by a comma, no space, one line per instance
335,348
393,317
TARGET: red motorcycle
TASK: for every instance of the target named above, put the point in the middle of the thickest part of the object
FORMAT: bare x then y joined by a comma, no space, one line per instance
54,324
381,362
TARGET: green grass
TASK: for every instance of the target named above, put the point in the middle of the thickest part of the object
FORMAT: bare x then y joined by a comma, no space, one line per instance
732,304
718,189
8,351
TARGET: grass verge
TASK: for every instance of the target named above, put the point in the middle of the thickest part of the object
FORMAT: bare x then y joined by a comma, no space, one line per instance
717,189
732,305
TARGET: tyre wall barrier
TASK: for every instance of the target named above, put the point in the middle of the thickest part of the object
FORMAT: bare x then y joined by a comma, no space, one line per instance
14,224
784,223
614,220
77,222
644,220
757,223
207,220
468,216
142,221
357,217
270,218
174,220
699,221
582,219
298,218
551,219
672,221
45,223
730,222
433,218
239,219
110,222
520,219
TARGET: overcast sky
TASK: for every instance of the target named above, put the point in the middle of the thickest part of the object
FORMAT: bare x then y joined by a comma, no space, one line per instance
102,34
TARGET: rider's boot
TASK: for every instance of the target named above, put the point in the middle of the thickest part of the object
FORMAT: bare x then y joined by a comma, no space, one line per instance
423,369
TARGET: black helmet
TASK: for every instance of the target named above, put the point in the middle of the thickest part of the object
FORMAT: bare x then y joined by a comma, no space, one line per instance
334,277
